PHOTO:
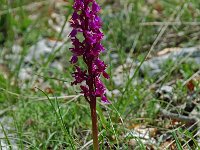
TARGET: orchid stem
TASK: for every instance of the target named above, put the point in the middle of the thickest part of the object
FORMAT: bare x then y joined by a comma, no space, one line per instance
94,124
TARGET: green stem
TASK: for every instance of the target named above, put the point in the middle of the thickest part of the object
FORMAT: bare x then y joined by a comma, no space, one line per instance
94,124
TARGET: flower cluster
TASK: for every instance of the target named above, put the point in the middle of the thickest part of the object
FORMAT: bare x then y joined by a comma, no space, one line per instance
86,39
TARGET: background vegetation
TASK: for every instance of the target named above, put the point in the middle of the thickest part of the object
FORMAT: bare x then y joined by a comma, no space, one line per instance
39,109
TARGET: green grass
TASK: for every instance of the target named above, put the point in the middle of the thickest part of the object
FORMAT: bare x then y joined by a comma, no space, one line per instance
42,120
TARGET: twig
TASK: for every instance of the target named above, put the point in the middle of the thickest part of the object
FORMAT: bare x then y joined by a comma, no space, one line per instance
2,112
192,77
43,98
46,77
12,93
88,132
169,23
162,30
61,97
184,132
160,34
180,117
154,85
190,139
89,143
26,7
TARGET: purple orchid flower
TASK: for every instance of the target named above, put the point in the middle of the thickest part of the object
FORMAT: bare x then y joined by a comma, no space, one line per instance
85,22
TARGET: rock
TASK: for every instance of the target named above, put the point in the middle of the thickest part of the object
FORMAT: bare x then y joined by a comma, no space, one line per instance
57,65
5,121
114,57
165,93
57,21
145,134
114,93
154,65
42,49
25,74
16,49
